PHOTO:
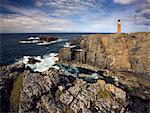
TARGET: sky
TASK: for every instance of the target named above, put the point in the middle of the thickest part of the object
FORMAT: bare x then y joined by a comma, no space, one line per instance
26,16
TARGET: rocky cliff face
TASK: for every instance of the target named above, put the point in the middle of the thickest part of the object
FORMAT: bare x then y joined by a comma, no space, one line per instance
57,91
99,77
120,52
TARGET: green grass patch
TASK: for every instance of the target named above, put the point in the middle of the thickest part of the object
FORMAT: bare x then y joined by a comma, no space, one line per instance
122,35
15,93
103,94
58,93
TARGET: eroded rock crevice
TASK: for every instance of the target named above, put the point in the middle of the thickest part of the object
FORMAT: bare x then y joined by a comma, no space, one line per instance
105,74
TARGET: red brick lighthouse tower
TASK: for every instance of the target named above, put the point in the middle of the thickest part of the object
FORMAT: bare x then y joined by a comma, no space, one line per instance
119,26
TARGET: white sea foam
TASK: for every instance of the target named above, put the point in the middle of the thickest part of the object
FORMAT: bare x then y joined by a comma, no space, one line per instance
47,61
46,43
67,44
29,41
33,38
36,40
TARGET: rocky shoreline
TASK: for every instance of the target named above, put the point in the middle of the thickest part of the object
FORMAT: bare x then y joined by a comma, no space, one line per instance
41,39
102,74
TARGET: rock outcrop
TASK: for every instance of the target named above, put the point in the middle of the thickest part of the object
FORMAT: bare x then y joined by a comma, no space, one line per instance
104,75
38,93
33,61
119,52
57,91
52,92
47,38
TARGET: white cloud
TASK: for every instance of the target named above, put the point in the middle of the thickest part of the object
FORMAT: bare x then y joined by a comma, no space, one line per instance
124,1
37,20
73,16
36,23
30,20
70,7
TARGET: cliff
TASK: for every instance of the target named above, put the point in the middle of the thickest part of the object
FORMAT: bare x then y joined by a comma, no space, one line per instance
103,74
119,52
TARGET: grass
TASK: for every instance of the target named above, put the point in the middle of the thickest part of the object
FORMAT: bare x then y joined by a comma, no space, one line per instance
103,94
122,35
15,93
58,93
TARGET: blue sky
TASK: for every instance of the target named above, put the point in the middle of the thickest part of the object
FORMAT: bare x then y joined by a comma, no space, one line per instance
74,15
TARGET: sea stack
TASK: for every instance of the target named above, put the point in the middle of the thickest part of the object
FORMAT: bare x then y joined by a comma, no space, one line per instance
119,26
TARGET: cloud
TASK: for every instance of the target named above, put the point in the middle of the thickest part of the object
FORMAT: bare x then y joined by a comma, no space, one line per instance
58,15
31,22
39,3
124,1
142,13
70,7
74,15
17,23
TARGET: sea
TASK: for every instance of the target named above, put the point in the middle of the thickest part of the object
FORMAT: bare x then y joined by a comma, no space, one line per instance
11,50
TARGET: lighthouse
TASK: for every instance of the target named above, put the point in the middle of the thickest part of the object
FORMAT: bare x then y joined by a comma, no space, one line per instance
119,26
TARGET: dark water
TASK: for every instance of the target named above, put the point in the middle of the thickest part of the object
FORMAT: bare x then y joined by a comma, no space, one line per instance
11,49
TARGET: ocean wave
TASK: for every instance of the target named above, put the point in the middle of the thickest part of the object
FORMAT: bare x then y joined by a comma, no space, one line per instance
45,63
33,38
29,41
46,43
67,44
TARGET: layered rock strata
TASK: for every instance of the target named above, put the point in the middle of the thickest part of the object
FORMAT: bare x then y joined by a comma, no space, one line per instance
120,52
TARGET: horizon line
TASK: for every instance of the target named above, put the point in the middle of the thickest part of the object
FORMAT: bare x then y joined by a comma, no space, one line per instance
55,32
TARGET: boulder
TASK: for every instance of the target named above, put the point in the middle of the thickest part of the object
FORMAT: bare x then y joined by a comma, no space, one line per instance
47,38
33,61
